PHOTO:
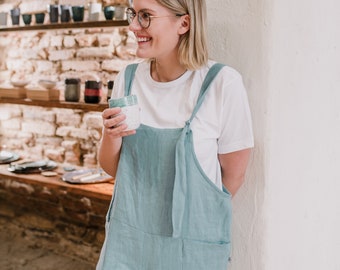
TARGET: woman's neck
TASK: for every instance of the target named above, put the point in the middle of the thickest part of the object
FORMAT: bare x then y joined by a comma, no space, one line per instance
166,72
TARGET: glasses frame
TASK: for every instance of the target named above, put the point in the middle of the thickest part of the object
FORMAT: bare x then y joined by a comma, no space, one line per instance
140,19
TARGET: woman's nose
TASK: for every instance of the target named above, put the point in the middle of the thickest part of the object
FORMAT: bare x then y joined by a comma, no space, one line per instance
134,25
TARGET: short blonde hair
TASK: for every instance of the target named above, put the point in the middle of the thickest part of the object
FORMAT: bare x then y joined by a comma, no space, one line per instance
193,50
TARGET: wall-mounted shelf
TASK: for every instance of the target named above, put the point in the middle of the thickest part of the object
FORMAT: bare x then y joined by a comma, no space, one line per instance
69,25
56,104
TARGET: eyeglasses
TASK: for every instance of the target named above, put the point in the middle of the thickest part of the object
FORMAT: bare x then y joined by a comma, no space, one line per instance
143,17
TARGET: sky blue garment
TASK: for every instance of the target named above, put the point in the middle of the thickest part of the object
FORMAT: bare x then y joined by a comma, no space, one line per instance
165,213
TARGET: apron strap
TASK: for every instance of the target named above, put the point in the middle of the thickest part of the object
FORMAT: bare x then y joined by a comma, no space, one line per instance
129,75
213,71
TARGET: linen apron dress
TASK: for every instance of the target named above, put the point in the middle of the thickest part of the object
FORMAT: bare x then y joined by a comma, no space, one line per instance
165,213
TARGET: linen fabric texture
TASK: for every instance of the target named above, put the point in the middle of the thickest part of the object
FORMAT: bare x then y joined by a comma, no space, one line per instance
223,123
165,212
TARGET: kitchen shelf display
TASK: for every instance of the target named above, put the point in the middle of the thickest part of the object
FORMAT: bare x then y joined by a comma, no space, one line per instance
68,25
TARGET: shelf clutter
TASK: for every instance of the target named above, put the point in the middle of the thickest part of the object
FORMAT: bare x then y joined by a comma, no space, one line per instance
31,16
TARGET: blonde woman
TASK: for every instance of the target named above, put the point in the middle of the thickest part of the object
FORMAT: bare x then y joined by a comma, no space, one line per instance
176,174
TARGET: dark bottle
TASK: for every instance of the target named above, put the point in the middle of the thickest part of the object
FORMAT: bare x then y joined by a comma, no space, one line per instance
109,89
93,91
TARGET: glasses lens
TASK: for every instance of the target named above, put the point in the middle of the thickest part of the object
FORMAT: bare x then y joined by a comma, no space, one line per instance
144,19
130,15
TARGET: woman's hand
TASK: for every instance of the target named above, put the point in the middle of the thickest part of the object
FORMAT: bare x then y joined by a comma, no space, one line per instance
113,123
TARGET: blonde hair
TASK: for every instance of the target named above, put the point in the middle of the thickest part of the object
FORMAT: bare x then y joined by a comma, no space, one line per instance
193,50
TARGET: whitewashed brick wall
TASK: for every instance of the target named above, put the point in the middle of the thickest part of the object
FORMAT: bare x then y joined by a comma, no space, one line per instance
64,135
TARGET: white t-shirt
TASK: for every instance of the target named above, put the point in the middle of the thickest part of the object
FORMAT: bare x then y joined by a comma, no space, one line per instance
222,124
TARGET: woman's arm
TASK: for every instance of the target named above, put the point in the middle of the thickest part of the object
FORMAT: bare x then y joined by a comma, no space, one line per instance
110,145
233,167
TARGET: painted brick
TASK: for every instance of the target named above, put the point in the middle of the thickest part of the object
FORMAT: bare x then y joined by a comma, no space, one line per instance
69,41
43,65
86,40
49,141
35,113
104,52
20,65
114,64
56,41
104,40
9,111
70,145
55,154
64,131
68,118
61,55
72,157
79,133
11,124
44,42
78,65
93,120
39,127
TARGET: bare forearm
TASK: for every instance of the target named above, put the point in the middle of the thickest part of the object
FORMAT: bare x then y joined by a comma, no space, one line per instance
109,152
233,183
233,167
110,145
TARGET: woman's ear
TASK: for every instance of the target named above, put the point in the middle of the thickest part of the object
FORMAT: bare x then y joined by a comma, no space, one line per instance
185,24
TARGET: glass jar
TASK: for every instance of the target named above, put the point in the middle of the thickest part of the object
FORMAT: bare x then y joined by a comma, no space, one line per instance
93,91
72,89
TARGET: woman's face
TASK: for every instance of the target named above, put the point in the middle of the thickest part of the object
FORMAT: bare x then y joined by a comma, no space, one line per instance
160,39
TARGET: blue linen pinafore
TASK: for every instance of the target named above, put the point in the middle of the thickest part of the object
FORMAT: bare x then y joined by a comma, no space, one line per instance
165,213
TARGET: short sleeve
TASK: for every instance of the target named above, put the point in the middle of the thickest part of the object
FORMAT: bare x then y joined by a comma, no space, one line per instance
236,131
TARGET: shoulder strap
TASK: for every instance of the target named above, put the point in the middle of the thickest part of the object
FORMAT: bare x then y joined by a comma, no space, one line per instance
129,75
213,71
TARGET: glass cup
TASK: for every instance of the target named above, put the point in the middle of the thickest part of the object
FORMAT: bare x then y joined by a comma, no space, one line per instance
130,107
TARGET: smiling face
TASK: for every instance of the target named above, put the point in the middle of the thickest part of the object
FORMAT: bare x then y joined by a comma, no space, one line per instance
160,40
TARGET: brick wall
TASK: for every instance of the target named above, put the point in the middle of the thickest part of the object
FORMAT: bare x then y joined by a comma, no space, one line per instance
63,135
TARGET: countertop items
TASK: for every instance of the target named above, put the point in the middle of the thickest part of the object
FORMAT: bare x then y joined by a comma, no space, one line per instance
8,157
32,166
86,176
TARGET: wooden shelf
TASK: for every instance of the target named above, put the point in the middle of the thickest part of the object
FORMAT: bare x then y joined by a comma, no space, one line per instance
57,104
69,25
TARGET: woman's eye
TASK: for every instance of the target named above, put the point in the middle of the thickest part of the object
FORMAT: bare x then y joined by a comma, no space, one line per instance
145,15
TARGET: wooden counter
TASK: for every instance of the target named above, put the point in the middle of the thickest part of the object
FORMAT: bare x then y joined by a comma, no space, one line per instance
98,190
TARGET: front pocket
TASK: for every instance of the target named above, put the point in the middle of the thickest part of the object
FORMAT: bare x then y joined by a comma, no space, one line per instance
200,255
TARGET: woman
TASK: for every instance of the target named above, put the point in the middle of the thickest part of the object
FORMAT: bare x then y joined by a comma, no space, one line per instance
176,174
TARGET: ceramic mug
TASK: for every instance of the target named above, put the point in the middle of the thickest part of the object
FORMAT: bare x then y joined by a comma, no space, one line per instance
120,13
109,12
78,13
15,16
39,18
65,15
94,11
27,18
54,13
3,18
